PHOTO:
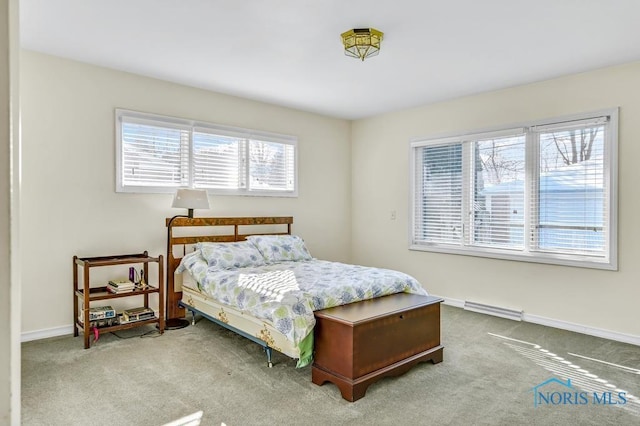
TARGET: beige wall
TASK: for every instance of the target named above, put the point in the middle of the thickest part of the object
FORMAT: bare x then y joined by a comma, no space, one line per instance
69,203
380,183
70,206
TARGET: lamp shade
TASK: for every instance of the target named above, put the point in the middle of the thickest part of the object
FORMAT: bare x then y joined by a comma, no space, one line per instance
191,199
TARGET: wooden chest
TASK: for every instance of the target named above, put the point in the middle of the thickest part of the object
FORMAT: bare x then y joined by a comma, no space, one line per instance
359,343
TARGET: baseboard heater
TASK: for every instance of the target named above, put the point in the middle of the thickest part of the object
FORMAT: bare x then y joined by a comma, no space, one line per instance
493,310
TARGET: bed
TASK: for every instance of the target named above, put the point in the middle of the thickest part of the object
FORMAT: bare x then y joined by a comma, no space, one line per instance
262,282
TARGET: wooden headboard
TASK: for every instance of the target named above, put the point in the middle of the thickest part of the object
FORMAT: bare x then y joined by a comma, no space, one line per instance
189,237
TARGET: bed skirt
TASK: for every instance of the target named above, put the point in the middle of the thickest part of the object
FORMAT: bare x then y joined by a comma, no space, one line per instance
234,319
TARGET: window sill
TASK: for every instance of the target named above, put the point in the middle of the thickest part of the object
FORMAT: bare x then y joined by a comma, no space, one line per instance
515,255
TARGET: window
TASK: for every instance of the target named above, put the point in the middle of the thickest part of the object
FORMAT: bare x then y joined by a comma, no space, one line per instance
542,192
159,154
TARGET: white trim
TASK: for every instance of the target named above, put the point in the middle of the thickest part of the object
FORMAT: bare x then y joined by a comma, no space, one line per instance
562,325
572,124
12,377
456,303
583,329
46,333
546,258
466,137
612,178
29,336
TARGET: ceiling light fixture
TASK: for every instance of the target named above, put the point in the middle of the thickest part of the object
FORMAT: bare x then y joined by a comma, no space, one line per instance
362,42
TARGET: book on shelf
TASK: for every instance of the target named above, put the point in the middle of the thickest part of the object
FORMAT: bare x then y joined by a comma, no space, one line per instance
99,312
123,320
119,291
122,283
120,286
137,314
99,316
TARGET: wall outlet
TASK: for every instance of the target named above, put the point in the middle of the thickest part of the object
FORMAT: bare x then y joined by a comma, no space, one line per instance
393,215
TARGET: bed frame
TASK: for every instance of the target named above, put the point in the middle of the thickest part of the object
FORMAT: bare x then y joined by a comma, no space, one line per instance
181,298
415,341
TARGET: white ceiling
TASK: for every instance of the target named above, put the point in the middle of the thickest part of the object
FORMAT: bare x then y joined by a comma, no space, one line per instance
288,52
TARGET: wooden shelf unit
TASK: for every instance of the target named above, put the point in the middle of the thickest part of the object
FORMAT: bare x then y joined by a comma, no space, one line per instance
87,294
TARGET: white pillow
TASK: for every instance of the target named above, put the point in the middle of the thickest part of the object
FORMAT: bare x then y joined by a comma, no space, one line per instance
234,255
281,248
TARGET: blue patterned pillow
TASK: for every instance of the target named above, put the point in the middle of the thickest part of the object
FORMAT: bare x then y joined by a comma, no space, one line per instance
281,248
240,254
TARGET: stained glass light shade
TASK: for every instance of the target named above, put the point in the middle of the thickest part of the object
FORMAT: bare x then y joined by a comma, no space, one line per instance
362,43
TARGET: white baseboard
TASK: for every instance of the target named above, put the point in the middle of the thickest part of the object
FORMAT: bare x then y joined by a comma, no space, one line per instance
534,319
64,330
28,336
563,325
451,302
591,331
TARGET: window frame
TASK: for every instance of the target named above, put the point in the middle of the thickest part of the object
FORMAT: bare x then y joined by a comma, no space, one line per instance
610,164
196,126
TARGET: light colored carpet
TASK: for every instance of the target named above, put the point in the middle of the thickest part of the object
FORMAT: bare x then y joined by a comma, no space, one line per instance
484,379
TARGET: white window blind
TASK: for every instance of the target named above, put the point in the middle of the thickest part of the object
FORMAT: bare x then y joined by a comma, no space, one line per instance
439,198
497,207
543,193
218,161
158,154
154,154
572,215
271,166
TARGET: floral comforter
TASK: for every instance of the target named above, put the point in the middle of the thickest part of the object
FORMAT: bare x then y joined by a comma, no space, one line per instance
287,293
